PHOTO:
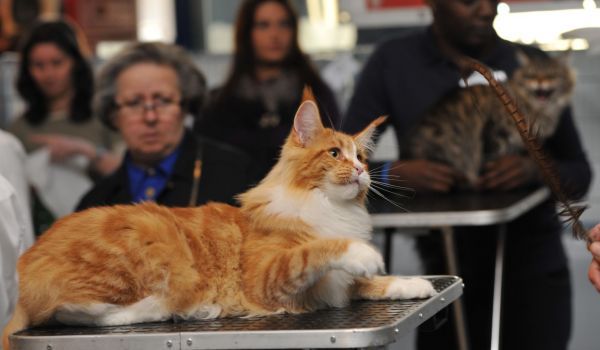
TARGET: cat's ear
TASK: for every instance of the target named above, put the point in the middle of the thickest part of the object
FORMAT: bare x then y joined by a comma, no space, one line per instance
565,57
522,57
307,94
364,139
307,123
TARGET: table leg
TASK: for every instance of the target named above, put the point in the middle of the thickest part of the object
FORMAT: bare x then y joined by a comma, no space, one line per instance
387,248
497,301
458,309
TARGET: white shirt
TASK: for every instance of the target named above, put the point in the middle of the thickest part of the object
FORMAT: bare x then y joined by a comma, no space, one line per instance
16,229
14,239
12,167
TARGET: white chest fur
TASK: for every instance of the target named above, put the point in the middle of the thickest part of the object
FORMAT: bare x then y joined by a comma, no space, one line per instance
332,218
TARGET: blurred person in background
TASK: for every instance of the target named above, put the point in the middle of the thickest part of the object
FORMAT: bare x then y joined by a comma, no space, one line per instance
16,230
55,81
406,76
8,27
145,93
255,107
12,167
16,16
14,240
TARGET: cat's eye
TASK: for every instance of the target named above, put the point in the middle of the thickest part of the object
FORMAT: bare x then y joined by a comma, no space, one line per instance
335,152
360,157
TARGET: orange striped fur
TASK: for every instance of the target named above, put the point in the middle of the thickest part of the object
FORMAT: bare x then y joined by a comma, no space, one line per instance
299,242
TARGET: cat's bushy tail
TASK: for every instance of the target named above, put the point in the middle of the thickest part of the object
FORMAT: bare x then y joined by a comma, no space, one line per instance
19,321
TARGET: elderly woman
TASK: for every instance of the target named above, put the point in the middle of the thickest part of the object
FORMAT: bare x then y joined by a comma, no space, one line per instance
145,93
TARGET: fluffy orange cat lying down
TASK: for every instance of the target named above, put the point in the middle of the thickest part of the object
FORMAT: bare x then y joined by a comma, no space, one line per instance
298,243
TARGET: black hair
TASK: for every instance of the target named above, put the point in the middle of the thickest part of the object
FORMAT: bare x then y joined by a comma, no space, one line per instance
63,35
244,60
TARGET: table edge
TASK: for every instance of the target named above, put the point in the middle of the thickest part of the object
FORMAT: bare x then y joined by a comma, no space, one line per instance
460,218
333,338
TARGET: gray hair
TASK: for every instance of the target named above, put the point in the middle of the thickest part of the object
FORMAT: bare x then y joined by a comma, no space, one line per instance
192,83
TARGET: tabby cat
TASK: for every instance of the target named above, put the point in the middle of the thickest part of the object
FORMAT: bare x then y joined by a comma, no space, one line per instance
471,126
298,243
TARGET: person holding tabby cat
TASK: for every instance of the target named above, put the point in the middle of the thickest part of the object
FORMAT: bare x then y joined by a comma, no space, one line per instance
407,78
254,109
145,93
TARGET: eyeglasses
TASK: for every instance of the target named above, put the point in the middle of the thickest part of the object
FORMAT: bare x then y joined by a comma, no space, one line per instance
138,106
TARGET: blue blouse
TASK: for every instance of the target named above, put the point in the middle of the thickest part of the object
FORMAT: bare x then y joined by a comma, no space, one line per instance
148,183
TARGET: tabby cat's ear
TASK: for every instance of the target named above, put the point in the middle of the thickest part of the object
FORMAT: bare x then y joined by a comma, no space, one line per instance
307,123
522,57
565,57
364,139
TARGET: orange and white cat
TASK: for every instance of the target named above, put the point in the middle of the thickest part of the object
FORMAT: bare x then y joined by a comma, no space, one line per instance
298,243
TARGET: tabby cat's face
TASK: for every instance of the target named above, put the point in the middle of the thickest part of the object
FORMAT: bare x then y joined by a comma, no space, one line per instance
543,80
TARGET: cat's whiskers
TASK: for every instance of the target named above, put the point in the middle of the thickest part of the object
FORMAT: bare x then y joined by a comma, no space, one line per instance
382,176
385,184
381,172
396,165
395,193
377,168
381,180
372,188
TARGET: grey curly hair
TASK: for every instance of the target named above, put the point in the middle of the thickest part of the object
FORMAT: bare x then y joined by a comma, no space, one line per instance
192,83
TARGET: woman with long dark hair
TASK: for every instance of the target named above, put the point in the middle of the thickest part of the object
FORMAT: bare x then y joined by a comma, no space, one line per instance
254,109
56,83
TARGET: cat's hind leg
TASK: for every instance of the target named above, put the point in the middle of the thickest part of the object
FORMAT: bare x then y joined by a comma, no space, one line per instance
393,287
149,309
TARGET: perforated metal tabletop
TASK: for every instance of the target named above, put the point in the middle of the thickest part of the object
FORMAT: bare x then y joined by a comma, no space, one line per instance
360,325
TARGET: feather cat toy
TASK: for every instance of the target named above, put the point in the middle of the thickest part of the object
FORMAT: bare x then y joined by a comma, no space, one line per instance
298,243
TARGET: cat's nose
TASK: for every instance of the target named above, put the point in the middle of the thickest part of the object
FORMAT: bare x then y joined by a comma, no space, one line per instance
359,170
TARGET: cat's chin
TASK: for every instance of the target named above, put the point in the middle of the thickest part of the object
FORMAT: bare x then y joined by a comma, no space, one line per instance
344,192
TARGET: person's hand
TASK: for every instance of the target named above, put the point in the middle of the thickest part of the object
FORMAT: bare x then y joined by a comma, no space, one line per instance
62,147
594,248
424,175
508,172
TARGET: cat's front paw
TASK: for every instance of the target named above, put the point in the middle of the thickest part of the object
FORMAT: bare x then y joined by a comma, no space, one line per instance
409,288
360,259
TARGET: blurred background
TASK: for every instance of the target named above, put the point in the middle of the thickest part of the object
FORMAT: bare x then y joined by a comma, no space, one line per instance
339,35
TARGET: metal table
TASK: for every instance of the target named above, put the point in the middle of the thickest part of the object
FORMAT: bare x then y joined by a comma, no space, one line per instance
444,211
363,324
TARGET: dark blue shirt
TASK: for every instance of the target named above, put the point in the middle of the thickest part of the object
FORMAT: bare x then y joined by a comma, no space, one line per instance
147,183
